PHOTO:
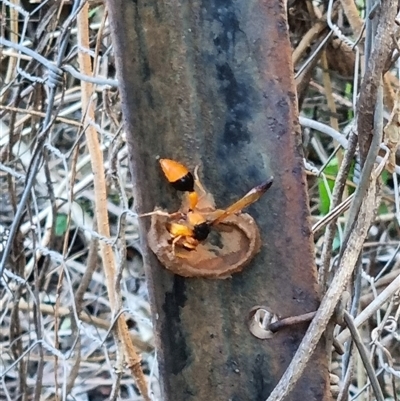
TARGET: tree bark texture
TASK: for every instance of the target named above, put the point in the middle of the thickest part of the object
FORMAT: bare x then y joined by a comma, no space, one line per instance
210,83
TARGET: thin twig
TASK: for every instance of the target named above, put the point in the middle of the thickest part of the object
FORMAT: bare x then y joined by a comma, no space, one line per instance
364,355
372,307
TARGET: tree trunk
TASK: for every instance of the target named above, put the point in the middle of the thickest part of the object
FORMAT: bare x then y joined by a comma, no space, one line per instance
211,83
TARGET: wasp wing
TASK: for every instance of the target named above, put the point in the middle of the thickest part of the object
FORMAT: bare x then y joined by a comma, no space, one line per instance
252,196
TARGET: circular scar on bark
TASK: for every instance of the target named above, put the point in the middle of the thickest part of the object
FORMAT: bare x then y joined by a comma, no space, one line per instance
230,246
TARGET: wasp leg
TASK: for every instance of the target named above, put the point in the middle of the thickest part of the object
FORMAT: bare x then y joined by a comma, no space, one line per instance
174,241
161,213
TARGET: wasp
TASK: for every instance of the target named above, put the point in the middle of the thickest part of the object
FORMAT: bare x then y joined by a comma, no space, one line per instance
190,227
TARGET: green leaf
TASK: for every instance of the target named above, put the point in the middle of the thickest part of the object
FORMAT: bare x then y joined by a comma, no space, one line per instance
324,199
383,209
336,243
348,90
61,224
93,12
385,176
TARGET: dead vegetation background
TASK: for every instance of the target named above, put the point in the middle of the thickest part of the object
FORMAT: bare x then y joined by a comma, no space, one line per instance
62,149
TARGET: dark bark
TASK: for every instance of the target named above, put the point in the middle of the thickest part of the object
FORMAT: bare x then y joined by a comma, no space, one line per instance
211,83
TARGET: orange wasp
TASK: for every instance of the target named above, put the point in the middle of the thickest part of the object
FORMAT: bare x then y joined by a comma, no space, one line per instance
194,226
